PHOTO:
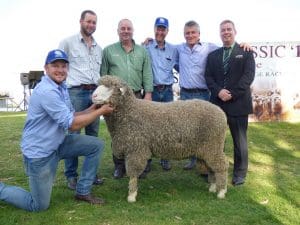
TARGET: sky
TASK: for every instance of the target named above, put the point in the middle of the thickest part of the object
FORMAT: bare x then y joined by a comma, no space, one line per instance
31,28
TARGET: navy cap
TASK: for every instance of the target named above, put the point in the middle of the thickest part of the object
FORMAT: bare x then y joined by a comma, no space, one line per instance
56,54
161,21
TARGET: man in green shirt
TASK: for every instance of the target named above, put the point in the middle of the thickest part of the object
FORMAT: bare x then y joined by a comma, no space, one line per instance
131,63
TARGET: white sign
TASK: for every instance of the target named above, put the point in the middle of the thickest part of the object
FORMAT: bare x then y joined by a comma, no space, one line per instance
276,87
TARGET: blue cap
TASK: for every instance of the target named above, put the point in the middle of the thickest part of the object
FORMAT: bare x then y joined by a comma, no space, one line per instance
161,21
56,54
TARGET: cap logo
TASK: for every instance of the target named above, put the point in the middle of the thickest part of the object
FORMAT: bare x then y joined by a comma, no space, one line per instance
58,54
161,20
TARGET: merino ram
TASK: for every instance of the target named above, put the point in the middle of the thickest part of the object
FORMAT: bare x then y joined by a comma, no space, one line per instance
140,129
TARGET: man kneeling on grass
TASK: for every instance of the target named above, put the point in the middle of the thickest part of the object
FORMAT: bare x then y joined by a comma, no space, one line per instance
45,140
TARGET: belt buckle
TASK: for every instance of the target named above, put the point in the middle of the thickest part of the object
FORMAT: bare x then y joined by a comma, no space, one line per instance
161,87
88,86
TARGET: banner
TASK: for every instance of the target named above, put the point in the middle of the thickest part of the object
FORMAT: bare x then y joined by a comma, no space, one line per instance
276,87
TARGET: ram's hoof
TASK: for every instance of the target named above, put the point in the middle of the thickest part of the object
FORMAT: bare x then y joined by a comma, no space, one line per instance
132,197
213,188
222,193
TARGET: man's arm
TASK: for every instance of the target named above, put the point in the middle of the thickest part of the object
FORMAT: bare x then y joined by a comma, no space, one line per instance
84,118
147,78
104,63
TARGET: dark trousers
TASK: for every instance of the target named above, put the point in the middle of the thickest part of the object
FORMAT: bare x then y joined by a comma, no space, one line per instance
238,126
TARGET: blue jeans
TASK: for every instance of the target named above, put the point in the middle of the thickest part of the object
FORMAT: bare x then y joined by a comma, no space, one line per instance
41,173
204,95
163,95
81,100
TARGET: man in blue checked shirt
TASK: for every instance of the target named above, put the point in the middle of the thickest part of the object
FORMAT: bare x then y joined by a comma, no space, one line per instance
46,141
164,59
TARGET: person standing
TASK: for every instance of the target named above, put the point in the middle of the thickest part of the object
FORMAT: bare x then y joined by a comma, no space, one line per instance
164,59
192,61
229,73
85,57
45,140
131,63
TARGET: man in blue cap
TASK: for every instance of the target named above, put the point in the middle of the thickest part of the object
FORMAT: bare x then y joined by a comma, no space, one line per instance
164,59
45,140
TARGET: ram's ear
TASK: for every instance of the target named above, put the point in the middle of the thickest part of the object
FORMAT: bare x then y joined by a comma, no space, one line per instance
122,89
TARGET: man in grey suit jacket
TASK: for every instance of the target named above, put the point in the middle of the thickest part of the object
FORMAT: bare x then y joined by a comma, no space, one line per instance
229,73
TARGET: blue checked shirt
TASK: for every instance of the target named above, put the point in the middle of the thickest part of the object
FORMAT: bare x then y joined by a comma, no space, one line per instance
50,114
192,63
85,63
162,62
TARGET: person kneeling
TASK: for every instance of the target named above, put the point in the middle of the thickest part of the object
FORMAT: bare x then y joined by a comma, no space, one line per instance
45,140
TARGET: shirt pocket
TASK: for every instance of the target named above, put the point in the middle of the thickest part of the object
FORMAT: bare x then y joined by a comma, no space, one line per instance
78,57
167,64
137,63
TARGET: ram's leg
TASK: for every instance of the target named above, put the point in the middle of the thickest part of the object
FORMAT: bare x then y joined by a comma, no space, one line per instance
135,164
221,176
219,166
132,189
212,182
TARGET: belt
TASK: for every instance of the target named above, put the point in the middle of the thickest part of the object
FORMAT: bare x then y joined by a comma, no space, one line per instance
136,92
86,86
194,90
139,94
162,86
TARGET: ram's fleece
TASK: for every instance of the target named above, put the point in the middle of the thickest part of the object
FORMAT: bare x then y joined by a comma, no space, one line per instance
141,129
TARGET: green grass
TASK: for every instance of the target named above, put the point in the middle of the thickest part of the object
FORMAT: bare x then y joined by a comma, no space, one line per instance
270,196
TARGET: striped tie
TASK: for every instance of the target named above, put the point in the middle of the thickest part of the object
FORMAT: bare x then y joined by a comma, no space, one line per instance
226,56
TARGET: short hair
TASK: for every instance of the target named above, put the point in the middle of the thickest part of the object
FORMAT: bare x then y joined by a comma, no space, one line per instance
227,21
83,14
192,23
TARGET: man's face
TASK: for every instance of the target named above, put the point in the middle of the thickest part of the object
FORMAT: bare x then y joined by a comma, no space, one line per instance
57,71
88,24
227,33
125,30
191,35
160,33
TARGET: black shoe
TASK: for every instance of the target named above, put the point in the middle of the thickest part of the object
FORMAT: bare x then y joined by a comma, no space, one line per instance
119,172
146,170
71,183
165,164
98,181
191,164
238,181
204,176
143,175
90,199
148,166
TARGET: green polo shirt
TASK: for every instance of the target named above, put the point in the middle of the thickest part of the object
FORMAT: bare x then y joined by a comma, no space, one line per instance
133,67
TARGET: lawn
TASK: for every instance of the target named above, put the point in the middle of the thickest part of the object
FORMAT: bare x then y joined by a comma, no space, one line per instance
271,194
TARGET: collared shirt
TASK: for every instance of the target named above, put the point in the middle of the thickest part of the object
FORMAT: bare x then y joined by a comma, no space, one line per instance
163,60
133,67
192,63
229,49
84,63
50,114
